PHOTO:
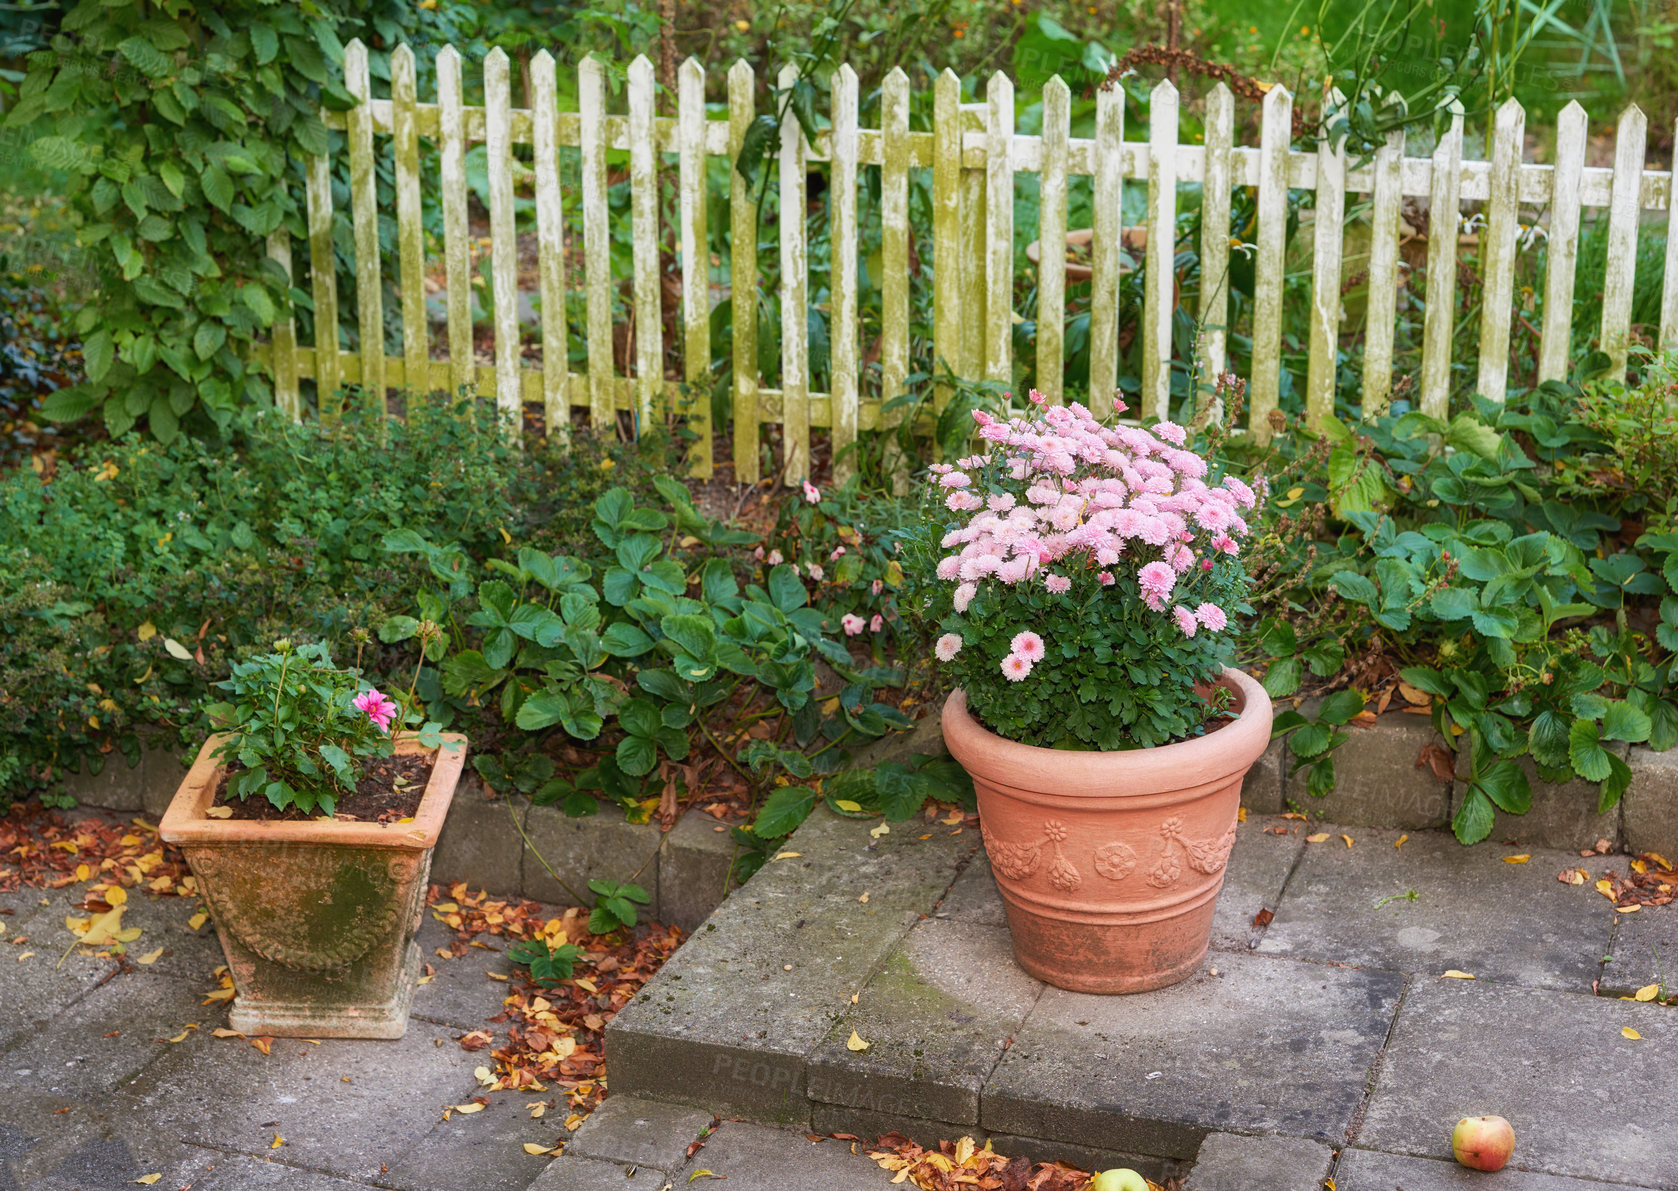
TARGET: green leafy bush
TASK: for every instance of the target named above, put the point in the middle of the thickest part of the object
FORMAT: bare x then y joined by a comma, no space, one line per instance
1515,565
135,573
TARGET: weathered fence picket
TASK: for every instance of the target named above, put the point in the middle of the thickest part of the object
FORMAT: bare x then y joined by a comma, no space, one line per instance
971,154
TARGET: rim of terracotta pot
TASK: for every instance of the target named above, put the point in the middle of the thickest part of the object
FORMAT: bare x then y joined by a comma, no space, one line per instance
1162,770
186,823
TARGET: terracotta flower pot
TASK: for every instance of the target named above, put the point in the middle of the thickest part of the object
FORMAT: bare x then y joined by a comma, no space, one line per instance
1110,863
317,918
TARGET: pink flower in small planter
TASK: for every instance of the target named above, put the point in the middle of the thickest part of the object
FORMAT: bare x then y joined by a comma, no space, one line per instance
1157,580
1185,620
812,494
1028,645
948,646
379,708
964,596
1015,668
852,624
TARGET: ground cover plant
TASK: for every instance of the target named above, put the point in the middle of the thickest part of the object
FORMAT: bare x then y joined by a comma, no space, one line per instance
1513,570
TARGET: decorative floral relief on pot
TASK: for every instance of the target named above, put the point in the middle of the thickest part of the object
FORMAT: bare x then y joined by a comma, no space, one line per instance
1206,856
1115,860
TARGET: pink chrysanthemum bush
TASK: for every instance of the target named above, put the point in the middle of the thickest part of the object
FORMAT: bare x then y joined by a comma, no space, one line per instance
1081,580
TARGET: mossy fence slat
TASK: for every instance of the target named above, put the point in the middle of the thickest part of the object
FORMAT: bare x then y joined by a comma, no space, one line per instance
974,156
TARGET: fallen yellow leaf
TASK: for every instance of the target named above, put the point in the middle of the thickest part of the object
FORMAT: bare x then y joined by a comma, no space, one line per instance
538,1109
146,631
1453,974
787,855
1318,838
116,895
1605,888
587,985
1632,1034
532,1148
197,920
1399,842
1348,840
703,1174
1631,909
463,1109
219,812
1647,993
23,956
265,1045
83,872
877,832
277,1142
182,1036
151,957
855,1042
484,1076
224,1032
863,899
1660,860
1522,858
845,804
574,1121
147,1180
1240,814
1639,866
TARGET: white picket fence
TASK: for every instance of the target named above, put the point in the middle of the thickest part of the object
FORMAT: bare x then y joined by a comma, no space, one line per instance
974,153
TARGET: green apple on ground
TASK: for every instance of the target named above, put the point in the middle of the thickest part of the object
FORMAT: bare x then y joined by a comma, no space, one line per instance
1123,1179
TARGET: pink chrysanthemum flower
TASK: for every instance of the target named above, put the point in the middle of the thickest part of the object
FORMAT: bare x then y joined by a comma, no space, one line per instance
1185,620
1015,668
1212,617
964,596
1057,584
948,646
1028,645
1157,580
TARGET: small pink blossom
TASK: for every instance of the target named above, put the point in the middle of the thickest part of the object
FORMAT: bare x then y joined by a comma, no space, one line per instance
758,554
876,623
1028,645
1107,579
876,586
838,552
816,571
852,624
964,596
812,494
381,709
1015,668
1185,620
1057,584
1212,617
948,646
775,558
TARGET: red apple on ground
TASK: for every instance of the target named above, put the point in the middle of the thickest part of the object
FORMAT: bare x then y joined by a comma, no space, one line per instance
1483,1143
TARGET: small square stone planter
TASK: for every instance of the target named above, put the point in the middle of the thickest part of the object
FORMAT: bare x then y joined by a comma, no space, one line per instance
317,918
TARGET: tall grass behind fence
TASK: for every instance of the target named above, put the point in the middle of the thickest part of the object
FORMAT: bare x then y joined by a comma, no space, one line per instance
973,154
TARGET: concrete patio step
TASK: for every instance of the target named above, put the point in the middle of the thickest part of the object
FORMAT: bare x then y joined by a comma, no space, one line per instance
1317,1029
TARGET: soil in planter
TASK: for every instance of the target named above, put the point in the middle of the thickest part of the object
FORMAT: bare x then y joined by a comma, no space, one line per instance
378,799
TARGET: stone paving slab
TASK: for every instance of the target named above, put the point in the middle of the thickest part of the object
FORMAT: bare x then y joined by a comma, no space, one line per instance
1370,1170
763,1158
113,1032
1645,951
1235,1162
460,993
569,1173
726,1024
637,1131
50,1143
238,1173
226,1094
974,897
1584,1100
1264,1045
1472,911
483,1151
1257,871
936,1018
